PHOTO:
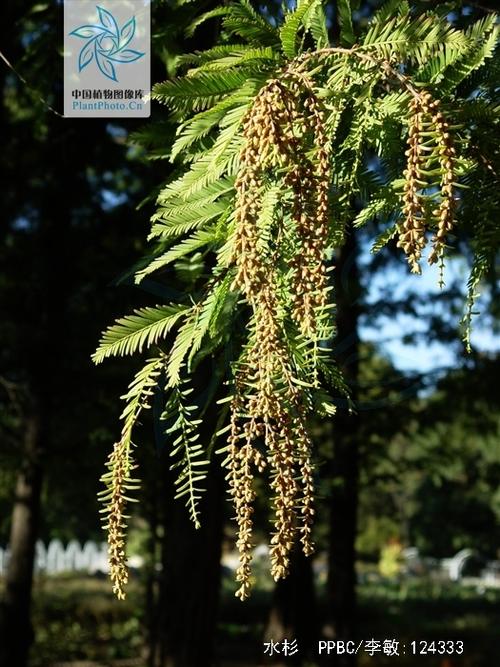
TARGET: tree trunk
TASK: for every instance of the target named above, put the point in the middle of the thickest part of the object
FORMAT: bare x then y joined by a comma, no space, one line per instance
293,614
42,363
151,600
190,578
344,472
17,633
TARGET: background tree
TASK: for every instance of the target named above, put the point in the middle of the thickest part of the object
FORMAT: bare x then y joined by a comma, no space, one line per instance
59,232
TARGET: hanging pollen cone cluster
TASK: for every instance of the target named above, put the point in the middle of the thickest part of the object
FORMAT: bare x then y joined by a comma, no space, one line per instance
430,146
119,468
284,135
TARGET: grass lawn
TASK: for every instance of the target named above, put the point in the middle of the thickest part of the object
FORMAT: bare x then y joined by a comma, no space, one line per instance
78,621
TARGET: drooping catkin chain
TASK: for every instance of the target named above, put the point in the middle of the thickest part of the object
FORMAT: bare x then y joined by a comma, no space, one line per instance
281,456
240,461
425,115
412,235
283,126
306,472
268,408
310,183
445,211
119,468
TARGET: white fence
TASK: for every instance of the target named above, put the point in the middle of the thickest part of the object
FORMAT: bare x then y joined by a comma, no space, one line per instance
91,558
56,558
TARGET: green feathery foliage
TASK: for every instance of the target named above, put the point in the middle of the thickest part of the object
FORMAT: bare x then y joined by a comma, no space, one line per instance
117,480
278,134
141,330
187,450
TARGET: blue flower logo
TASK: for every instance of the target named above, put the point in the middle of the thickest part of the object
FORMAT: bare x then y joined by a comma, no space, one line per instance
107,44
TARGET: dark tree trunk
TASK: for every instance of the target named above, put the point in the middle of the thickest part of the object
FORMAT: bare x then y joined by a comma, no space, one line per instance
190,578
293,614
344,496
151,579
17,633
42,363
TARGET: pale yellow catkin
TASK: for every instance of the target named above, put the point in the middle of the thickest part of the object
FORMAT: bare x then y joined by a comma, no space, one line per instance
285,117
412,230
119,467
